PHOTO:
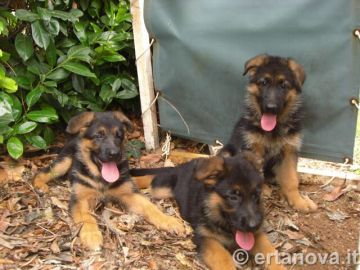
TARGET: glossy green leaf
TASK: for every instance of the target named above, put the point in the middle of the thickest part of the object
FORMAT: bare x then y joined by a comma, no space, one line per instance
9,85
43,116
80,52
37,141
106,93
24,46
25,127
16,108
23,82
78,83
53,26
49,135
51,54
78,68
113,58
33,96
50,84
58,74
40,35
66,16
130,90
26,15
6,104
15,147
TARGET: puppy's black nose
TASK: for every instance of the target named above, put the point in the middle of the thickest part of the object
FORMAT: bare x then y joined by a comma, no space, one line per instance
253,224
113,153
271,107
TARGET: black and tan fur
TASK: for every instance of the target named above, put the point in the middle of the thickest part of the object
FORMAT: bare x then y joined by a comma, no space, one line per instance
99,137
217,196
275,86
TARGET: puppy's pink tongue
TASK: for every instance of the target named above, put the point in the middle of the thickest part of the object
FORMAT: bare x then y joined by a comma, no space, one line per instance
110,171
268,121
245,240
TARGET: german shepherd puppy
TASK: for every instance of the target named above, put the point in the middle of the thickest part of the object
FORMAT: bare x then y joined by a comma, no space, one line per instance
220,198
98,169
271,125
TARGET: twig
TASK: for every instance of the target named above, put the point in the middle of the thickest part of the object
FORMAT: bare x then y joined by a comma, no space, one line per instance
182,118
46,230
151,104
34,191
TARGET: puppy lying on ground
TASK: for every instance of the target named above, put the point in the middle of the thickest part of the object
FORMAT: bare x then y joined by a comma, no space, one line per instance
220,198
272,123
98,169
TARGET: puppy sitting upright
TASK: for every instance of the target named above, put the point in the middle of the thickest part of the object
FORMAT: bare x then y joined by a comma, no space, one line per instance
98,169
272,122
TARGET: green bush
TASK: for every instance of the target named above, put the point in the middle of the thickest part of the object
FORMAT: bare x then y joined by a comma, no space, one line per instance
57,58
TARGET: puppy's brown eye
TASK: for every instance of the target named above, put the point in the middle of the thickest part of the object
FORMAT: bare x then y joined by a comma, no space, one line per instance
283,84
119,135
99,135
264,81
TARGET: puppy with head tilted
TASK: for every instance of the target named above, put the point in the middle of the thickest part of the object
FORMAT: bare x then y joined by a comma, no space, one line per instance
96,164
272,122
220,198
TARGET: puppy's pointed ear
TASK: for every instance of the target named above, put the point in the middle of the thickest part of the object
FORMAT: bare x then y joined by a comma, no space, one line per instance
80,122
252,64
119,115
209,170
255,160
298,71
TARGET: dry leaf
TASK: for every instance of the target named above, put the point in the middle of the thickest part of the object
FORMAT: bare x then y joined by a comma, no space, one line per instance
290,224
334,194
337,215
4,221
134,135
55,247
153,265
168,163
287,246
182,259
304,241
151,158
11,171
293,235
55,201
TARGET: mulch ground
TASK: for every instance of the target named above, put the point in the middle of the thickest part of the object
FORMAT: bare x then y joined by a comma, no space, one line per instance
36,231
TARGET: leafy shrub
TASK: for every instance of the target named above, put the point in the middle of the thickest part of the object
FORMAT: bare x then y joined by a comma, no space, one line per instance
57,58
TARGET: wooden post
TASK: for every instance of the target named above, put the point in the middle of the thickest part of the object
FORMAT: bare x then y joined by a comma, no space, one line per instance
144,71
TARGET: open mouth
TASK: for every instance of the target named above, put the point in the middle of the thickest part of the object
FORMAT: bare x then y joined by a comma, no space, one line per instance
109,170
268,121
245,240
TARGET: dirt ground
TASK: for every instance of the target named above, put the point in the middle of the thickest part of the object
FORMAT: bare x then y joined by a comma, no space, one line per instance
36,231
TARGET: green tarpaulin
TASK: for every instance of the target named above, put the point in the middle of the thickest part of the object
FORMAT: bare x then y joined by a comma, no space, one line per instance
201,46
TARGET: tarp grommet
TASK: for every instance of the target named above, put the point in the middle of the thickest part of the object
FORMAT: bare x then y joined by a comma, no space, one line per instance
356,33
354,102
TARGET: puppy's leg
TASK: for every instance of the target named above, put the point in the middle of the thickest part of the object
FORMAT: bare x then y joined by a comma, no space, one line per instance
143,181
286,173
139,204
83,201
264,246
59,168
163,185
215,255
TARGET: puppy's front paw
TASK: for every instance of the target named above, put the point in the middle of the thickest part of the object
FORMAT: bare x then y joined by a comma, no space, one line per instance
39,185
171,224
303,204
91,237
